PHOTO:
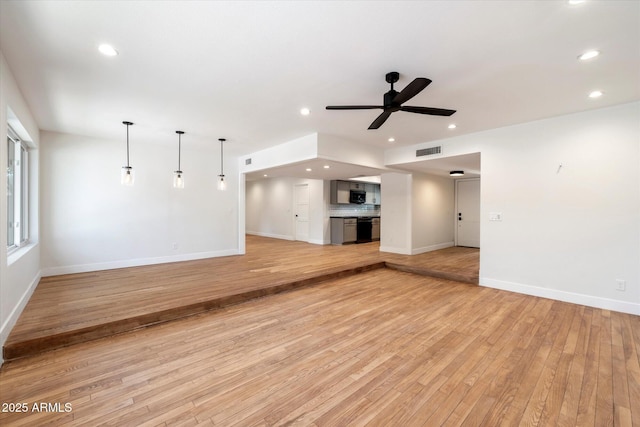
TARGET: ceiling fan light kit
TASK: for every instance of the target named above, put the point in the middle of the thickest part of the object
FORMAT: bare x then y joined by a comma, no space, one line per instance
393,100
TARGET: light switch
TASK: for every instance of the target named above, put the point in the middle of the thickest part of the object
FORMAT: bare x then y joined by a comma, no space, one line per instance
495,216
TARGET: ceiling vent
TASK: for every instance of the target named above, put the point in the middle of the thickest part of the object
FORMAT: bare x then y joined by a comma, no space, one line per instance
429,151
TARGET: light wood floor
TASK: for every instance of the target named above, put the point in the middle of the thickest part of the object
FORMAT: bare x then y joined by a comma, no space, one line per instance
383,348
78,307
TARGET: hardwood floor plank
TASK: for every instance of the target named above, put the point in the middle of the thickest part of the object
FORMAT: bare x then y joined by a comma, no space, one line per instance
587,403
604,392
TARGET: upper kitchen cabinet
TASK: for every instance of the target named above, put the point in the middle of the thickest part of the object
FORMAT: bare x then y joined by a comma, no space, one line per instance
373,194
341,192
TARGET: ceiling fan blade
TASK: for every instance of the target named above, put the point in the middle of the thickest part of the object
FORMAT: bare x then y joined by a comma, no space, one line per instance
380,120
353,107
412,89
428,110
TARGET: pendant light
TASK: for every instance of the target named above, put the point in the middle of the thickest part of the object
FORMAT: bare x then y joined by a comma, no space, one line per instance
126,174
222,185
178,178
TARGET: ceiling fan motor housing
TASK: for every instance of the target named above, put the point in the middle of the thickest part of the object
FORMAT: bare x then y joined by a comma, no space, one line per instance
388,101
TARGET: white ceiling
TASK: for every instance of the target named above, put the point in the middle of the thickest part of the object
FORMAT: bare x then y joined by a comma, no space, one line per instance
243,69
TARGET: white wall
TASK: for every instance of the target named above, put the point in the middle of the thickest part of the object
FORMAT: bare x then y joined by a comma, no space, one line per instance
269,209
92,222
331,147
432,213
396,213
567,232
20,272
417,213
297,150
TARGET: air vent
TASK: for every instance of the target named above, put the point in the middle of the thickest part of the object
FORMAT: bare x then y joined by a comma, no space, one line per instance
247,161
429,151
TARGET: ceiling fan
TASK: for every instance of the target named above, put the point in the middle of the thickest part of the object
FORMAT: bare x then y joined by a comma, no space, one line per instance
393,101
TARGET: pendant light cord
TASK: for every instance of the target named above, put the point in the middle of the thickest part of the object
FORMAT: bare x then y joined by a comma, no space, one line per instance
127,124
127,144
179,149
222,140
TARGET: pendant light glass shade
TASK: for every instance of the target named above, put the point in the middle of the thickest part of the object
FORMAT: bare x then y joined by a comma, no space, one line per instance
126,173
178,180
222,185
178,176
127,176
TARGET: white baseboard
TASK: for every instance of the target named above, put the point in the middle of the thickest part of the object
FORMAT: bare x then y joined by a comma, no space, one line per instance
393,250
405,251
8,325
425,249
84,268
555,294
285,237
271,235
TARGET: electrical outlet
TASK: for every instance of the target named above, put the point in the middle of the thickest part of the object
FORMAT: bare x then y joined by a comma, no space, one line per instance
621,285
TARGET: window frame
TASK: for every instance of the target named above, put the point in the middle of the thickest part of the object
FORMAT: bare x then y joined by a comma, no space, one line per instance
20,191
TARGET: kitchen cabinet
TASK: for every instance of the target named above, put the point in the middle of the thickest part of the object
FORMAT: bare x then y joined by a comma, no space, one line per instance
375,228
373,194
340,192
344,230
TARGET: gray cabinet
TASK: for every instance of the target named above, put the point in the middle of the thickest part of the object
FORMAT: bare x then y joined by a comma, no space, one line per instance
344,230
375,228
340,192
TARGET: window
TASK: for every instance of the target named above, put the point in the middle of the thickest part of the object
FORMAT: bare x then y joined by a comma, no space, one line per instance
17,191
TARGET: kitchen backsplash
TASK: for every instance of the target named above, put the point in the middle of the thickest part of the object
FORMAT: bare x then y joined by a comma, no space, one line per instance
354,210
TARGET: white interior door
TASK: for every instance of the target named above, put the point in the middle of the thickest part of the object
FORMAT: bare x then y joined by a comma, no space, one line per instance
301,211
468,213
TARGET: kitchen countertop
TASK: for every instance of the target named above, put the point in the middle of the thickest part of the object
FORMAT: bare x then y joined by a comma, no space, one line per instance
354,216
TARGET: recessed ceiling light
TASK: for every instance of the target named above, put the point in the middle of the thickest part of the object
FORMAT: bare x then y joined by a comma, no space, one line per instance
456,173
326,166
588,55
574,2
107,50
308,169
595,94
391,139
305,111
452,126
265,175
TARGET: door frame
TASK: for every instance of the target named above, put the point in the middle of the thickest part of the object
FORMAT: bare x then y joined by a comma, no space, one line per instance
455,214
